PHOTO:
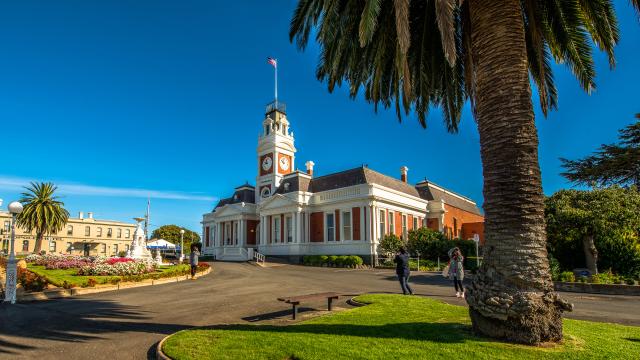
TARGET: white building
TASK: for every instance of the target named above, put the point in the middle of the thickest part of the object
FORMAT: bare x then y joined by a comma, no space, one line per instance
290,213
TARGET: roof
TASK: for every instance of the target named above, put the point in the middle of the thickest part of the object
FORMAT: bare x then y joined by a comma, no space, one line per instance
356,176
431,191
244,193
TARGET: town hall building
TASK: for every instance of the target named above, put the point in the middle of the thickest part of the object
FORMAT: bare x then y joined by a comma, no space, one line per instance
291,213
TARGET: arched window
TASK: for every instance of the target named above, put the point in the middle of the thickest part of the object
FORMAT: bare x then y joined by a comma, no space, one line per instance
25,245
69,229
266,129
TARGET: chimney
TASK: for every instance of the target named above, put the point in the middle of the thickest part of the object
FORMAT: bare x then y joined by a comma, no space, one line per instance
90,215
310,165
80,215
403,173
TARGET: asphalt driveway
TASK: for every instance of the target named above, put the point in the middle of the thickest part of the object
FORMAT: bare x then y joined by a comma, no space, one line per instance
126,324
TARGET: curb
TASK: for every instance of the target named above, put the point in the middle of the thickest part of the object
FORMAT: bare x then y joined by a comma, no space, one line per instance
355,303
159,354
59,293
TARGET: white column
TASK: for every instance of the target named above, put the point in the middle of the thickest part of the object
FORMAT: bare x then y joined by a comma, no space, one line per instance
299,227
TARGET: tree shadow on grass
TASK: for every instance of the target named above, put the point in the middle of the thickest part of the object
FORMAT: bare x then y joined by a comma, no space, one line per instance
71,320
633,339
434,332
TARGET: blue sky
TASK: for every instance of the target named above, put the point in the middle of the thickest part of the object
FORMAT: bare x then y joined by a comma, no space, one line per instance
117,100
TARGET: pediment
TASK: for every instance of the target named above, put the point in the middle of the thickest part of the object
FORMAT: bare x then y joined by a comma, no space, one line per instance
277,201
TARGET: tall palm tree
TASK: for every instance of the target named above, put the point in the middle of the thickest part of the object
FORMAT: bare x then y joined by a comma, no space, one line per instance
415,54
43,212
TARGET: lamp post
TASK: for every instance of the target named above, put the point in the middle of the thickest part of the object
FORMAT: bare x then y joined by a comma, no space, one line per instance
181,245
476,239
15,208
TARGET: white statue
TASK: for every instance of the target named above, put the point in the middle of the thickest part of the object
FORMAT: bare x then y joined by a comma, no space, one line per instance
138,248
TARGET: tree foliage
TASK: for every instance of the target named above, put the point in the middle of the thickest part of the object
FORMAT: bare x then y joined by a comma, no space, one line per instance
390,244
171,233
43,213
612,164
610,215
433,245
415,54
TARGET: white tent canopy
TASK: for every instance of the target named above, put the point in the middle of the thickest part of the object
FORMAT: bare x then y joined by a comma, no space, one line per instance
160,244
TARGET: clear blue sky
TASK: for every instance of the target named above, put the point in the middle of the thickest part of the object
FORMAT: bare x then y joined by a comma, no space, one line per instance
116,99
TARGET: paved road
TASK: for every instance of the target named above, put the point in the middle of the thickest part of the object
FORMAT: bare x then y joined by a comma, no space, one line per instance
126,324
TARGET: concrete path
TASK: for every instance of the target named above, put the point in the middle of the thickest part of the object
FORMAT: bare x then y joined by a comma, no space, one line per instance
126,324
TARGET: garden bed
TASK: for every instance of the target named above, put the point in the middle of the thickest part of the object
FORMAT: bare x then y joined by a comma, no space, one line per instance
605,289
394,327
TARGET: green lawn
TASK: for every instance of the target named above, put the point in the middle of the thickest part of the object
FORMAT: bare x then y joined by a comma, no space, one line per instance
58,277
395,327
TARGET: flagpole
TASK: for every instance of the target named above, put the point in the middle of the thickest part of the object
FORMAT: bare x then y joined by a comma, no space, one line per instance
276,82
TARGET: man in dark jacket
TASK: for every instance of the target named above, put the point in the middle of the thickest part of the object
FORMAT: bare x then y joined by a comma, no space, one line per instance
402,270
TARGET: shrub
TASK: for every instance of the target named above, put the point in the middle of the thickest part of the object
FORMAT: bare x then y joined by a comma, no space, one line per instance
630,281
390,244
122,253
91,282
568,276
332,260
554,268
30,281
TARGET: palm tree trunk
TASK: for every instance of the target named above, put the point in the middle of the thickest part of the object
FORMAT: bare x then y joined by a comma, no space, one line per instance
38,245
590,253
512,296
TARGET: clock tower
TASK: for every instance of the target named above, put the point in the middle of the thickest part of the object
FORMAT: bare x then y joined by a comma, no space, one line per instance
276,152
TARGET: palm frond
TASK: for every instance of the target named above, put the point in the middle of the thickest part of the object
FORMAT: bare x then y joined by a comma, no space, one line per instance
445,17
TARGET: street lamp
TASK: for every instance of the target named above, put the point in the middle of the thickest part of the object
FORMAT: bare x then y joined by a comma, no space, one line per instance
181,245
476,239
15,208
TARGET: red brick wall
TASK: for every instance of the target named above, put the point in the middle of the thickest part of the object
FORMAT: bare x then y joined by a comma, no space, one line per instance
317,226
355,222
432,224
461,216
409,222
398,223
252,225
469,229
206,236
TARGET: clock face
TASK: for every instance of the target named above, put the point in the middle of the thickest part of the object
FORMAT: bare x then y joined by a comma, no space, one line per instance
284,163
266,163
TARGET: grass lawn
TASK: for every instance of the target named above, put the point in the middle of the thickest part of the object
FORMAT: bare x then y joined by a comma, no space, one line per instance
395,327
58,277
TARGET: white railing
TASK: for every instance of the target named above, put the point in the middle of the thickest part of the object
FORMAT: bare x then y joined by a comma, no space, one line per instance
259,258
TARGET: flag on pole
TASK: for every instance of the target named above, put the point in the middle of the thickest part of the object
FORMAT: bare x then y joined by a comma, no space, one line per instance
273,62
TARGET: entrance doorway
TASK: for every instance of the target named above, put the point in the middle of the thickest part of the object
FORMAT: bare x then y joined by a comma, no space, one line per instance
86,248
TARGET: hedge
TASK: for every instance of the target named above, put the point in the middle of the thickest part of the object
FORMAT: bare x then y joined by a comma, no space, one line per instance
332,260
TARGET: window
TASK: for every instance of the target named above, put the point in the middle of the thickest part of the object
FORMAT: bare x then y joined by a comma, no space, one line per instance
7,227
235,233
330,228
99,231
392,225
276,229
289,228
227,232
415,223
25,245
404,226
5,244
346,225
87,231
69,230
455,227
109,232
126,247
104,248
115,249
383,226
127,233
266,129
69,247
119,233
52,246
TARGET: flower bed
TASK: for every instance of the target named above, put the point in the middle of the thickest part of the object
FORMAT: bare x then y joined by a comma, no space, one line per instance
92,266
332,260
118,268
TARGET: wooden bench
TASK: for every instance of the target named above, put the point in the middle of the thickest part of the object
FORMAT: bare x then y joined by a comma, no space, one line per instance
295,300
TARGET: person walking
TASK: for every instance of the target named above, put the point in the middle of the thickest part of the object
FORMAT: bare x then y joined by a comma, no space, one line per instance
193,260
402,270
456,270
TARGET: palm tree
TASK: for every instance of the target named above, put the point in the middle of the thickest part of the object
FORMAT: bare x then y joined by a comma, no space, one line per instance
414,54
43,212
